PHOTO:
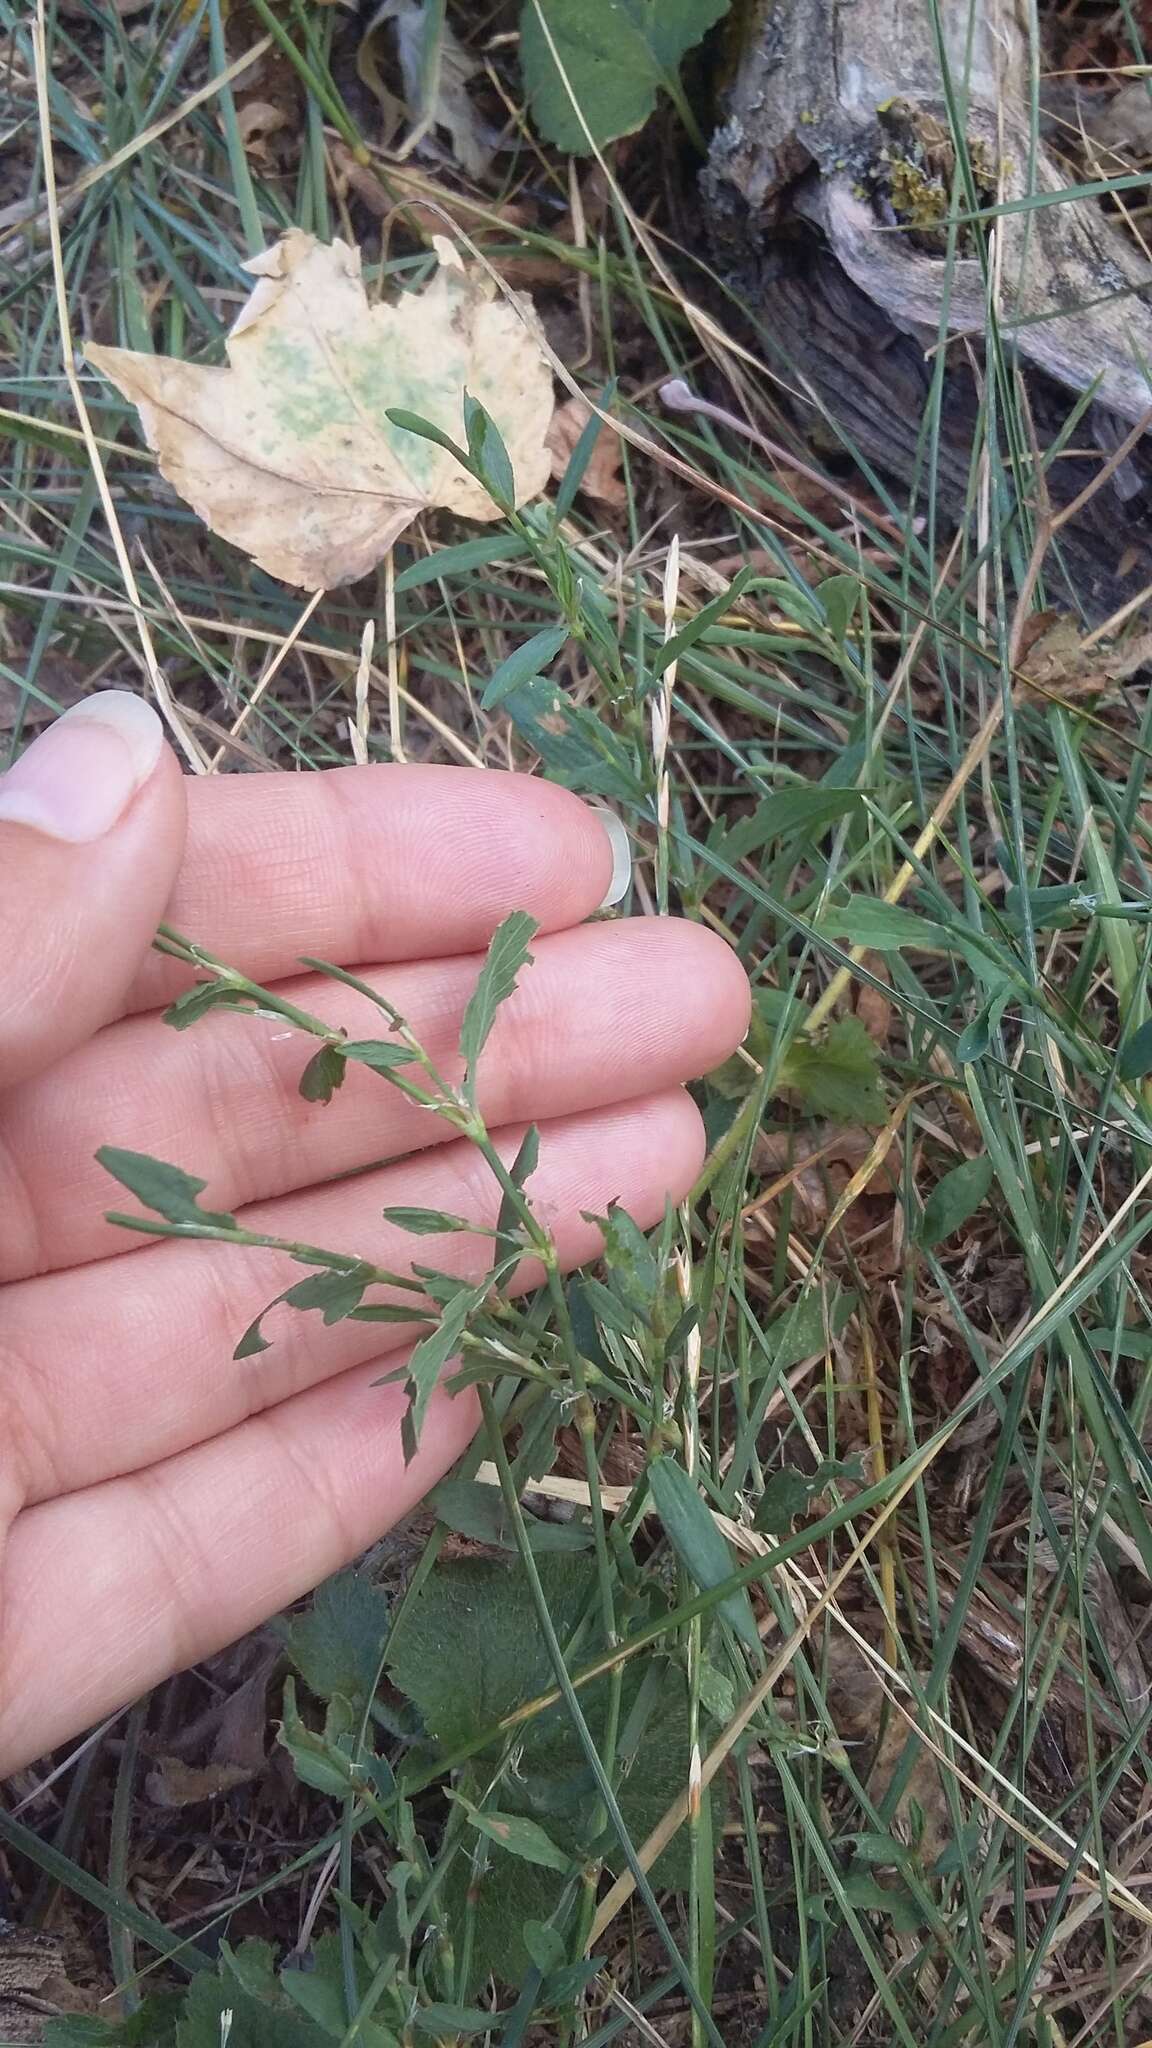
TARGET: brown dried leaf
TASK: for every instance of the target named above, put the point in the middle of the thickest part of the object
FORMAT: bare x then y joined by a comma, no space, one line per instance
288,452
602,479
171,1783
1055,663
256,121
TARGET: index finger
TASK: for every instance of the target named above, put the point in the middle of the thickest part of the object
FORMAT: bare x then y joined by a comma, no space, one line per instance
374,864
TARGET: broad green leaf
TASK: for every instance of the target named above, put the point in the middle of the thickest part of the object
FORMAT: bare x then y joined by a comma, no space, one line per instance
336,1645
167,1190
702,1550
519,1837
956,1196
324,1074
837,1076
523,663
467,1651
788,1492
616,55
575,745
507,954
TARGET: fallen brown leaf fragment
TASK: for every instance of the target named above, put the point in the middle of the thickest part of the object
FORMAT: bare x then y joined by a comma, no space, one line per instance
288,453
602,479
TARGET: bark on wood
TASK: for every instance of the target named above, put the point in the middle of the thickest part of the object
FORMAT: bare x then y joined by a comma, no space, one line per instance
828,190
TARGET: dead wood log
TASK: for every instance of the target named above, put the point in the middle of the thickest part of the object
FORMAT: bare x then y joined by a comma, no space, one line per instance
829,191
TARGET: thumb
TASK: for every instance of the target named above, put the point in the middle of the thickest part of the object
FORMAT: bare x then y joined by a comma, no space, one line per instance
91,836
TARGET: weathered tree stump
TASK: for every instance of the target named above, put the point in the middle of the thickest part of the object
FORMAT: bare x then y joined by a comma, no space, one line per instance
830,190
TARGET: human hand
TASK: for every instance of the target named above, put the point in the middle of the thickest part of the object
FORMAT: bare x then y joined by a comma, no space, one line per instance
158,1498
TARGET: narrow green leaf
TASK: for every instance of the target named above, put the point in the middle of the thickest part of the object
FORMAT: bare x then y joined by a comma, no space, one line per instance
378,1053
490,458
807,811
507,954
546,1945
884,927
789,1492
805,1329
520,1837
1136,1059
199,1001
336,1293
956,1196
582,453
523,663
447,563
167,1190
693,1534
317,1760
411,423
427,1360
680,642
839,596
426,1222
442,2020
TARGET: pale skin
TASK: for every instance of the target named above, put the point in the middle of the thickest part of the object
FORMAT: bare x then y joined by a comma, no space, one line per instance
157,1499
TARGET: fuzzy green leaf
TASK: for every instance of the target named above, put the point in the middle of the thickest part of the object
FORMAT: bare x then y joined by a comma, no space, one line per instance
616,55
336,1645
837,1076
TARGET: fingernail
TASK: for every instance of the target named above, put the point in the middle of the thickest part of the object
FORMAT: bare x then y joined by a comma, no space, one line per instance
621,846
80,776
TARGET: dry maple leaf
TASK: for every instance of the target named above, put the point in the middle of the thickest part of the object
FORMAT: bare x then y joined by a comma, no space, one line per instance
288,452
